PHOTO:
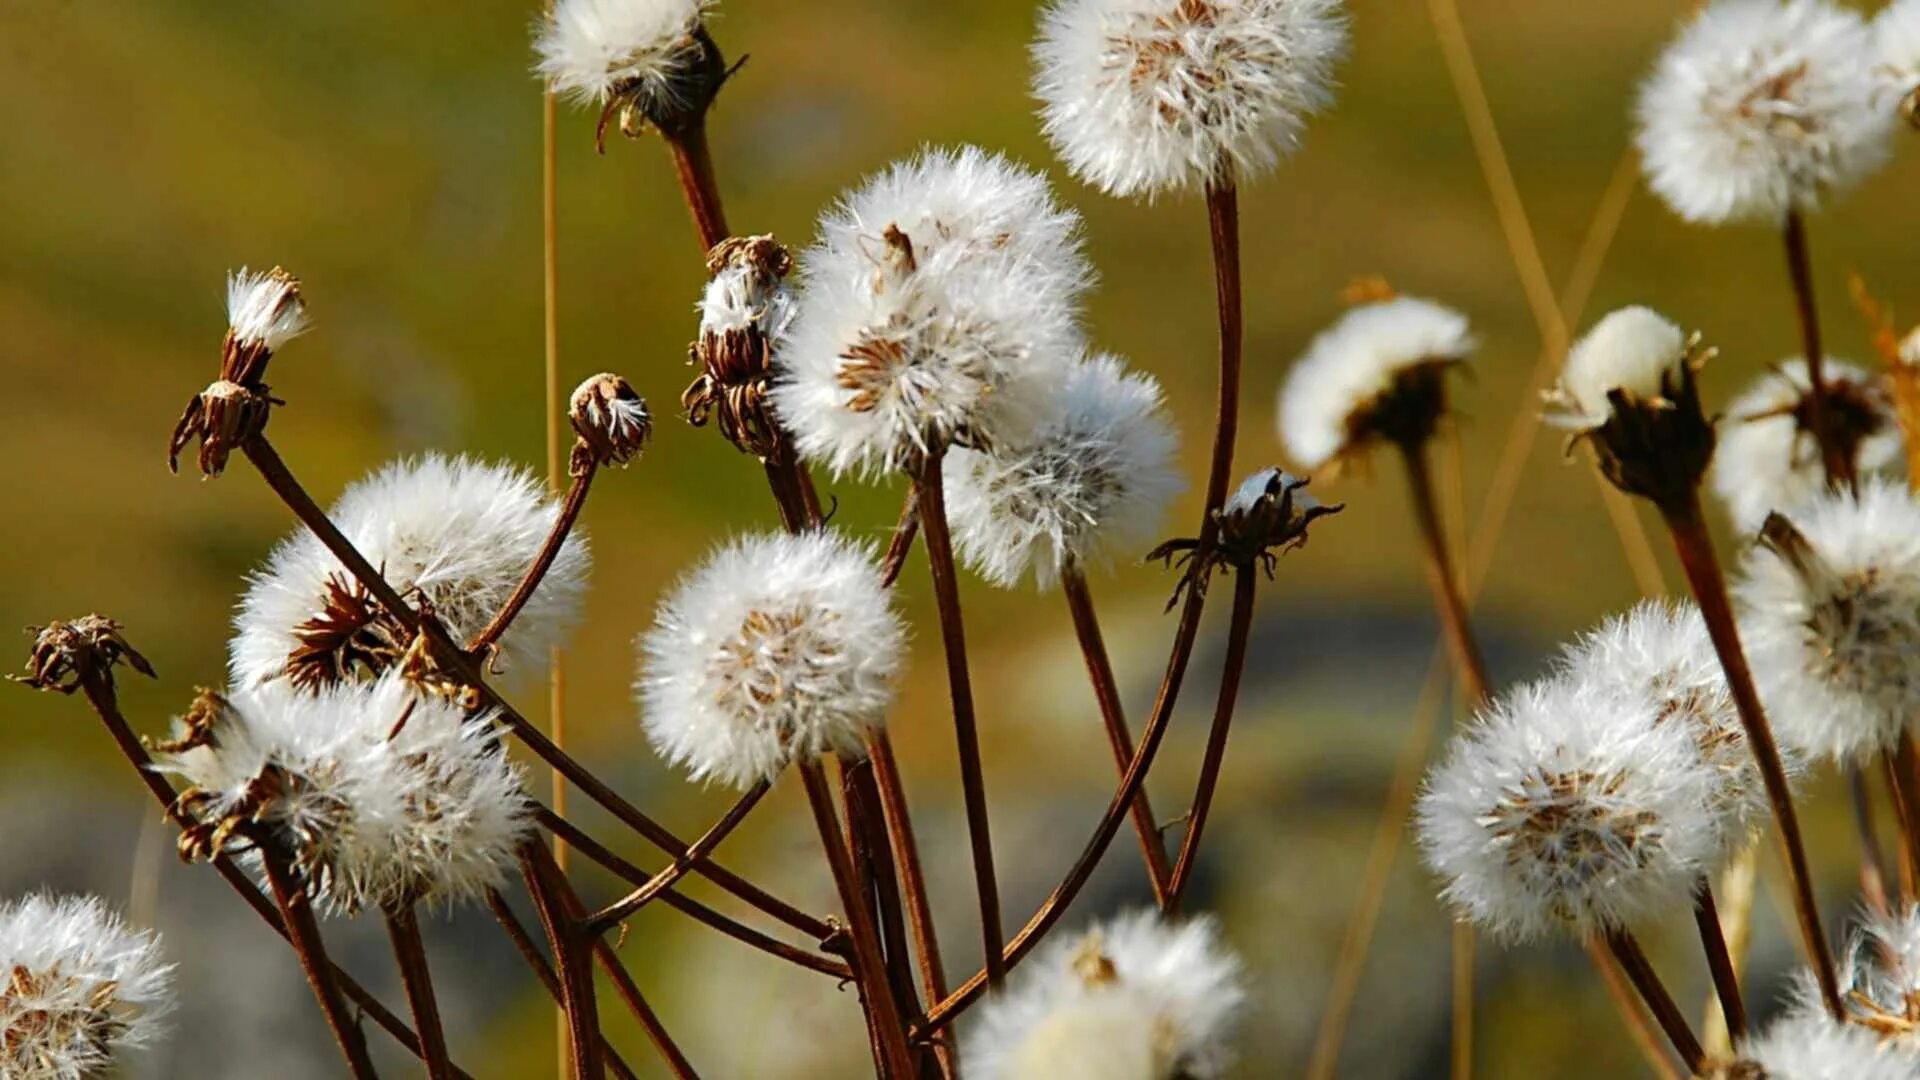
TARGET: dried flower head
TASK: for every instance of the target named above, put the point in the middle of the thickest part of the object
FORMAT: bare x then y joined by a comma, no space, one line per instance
645,61
1629,388
1135,998
1265,517
1564,806
745,314
1376,375
1807,1044
376,794
940,308
777,647
264,311
1142,97
66,654
1660,651
1830,613
1761,108
1768,458
79,989
1090,485
611,421
457,532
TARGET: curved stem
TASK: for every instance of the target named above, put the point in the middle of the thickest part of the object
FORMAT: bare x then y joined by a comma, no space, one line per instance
1633,1011
523,943
563,522
1106,693
1626,950
1470,665
1240,629
303,933
600,922
554,903
403,930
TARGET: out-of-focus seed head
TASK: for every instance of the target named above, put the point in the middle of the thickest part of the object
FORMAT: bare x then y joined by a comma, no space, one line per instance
1768,459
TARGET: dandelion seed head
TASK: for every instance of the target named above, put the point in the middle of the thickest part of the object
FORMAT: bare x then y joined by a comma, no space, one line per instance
459,531
1760,108
1896,31
79,989
1564,806
595,50
1136,996
1632,350
1830,615
264,310
1090,485
1145,97
1880,977
1768,459
1806,1044
940,308
776,648
1370,375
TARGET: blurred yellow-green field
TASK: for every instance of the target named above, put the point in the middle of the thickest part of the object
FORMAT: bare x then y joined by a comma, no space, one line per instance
390,155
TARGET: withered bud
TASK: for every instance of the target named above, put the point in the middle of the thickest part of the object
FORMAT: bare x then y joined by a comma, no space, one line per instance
1266,517
66,654
673,101
197,728
1658,447
263,312
611,421
744,314
223,417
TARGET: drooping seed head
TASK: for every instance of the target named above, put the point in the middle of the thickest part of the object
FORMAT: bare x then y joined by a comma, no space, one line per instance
650,61
80,991
1768,458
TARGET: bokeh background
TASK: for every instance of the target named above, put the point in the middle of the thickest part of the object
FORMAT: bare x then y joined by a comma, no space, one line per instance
389,154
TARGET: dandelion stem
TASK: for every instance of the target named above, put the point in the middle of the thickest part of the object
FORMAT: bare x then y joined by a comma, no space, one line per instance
636,1003
869,847
693,164
1702,567
1800,270
1873,860
1240,629
946,590
892,1058
1106,692
605,919
303,933
900,545
547,887
1901,765
1633,1012
543,971
403,930
1626,949
1726,980
1469,664
913,881
570,508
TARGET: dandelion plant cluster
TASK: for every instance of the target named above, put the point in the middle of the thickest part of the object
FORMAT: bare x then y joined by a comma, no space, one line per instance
360,759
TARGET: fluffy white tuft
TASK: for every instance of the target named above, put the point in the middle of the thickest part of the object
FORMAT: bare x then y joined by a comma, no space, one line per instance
1767,461
777,647
1806,1044
592,50
1141,97
1762,107
1897,33
1089,486
461,531
940,307
79,989
1631,349
265,309
1135,998
380,794
1833,627
1351,364
743,296
1567,806
1880,976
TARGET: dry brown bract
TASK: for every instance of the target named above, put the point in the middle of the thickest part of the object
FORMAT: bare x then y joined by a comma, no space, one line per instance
1262,531
66,654
735,363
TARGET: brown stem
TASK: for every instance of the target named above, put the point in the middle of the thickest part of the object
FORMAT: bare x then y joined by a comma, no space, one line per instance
636,1003
596,852
1461,989
1106,693
891,1055
403,930
272,469
900,545
1470,667
530,953
693,164
303,933
603,920
1726,980
1800,270
953,636
1873,860
1223,224
913,881
1633,1011
570,956
1702,567
1901,765
1240,629
549,550
1626,950
873,867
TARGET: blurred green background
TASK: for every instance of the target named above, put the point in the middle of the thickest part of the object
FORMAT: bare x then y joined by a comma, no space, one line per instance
389,154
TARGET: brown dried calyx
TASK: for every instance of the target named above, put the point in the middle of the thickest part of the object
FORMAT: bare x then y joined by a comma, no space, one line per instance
66,654
736,359
235,407
611,421
1658,448
672,106
353,637
1268,517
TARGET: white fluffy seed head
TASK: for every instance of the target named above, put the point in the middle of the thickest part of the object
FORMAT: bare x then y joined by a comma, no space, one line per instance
1806,1044
1564,806
1632,349
1660,652
743,296
1135,998
1880,977
378,793
1830,614
940,308
1328,402
79,989
461,531
264,310
593,50
1144,97
777,647
1762,107
1767,460
1896,32
1090,485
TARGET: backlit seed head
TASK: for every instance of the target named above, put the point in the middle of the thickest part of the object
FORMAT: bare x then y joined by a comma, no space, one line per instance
80,991
646,62
1768,458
